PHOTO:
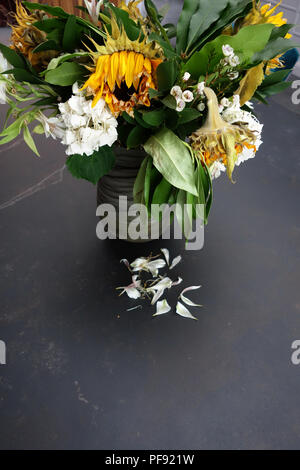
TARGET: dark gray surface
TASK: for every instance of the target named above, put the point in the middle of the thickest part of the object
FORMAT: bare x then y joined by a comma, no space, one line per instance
77,376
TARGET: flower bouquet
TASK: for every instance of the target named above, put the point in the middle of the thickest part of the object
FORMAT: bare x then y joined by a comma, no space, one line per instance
115,78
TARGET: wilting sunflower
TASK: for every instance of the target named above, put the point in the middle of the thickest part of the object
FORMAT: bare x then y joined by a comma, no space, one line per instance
262,14
124,71
217,140
26,37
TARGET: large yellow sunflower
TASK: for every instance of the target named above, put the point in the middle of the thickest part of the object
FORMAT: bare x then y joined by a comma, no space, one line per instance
123,71
26,37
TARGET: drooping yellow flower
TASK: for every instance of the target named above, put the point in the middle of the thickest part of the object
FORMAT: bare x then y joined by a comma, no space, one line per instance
124,71
26,37
218,140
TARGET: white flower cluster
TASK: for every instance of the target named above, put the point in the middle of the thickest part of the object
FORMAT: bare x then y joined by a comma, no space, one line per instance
81,127
233,114
182,97
230,59
4,65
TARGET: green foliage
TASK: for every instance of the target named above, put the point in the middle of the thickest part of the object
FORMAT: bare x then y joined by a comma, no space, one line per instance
12,57
274,48
248,41
154,118
172,159
201,20
166,74
132,29
138,188
92,168
137,137
66,74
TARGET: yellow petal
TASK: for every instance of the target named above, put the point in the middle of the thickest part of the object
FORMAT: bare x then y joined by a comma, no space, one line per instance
130,69
139,64
113,70
123,64
147,65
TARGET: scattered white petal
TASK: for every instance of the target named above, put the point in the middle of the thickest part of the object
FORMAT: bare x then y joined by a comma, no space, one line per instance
154,266
133,289
188,289
175,261
162,307
126,262
189,302
176,283
183,311
166,254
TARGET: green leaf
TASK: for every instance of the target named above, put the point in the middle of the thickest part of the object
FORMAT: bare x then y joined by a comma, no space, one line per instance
137,137
275,77
49,25
22,75
138,188
132,30
281,31
189,9
147,183
66,74
246,43
92,168
274,89
208,12
54,11
12,57
172,159
170,102
47,46
70,34
162,192
139,119
128,118
166,75
54,63
29,140
188,114
153,93
274,48
169,52
154,118
234,10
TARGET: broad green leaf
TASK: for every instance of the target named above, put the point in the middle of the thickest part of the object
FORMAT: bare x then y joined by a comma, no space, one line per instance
281,31
162,192
138,188
169,52
92,168
137,137
12,57
172,159
132,30
139,119
166,75
128,118
22,75
170,102
246,43
187,115
54,63
154,118
66,74
274,48
275,77
208,12
29,140
235,9
274,89
189,9
70,34
54,11
47,46
49,25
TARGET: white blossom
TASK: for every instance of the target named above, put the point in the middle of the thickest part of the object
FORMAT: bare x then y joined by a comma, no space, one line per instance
4,65
233,75
145,264
216,169
176,91
225,102
53,127
133,290
187,96
180,105
87,128
186,77
227,50
93,8
200,88
234,61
